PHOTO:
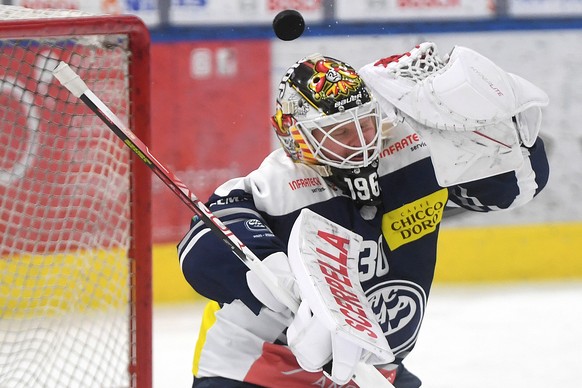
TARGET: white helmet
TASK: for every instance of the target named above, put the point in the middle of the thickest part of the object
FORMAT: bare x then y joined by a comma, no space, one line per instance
318,97
326,117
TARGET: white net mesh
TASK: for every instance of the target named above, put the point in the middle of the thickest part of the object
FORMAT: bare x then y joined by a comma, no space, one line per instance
8,12
64,214
415,65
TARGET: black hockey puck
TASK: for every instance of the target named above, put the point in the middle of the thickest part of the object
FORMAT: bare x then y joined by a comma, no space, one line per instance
288,25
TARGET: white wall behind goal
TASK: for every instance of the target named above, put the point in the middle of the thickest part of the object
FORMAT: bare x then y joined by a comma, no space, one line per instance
550,59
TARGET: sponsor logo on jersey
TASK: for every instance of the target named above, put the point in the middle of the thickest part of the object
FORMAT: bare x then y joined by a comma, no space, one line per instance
255,225
228,201
304,182
399,308
414,220
412,140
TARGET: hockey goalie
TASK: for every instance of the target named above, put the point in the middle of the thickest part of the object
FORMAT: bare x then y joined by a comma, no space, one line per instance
346,214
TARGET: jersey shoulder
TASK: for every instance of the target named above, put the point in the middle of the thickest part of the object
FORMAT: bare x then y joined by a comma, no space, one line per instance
279,186
402,147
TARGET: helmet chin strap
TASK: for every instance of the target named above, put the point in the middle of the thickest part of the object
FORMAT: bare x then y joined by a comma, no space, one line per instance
360,184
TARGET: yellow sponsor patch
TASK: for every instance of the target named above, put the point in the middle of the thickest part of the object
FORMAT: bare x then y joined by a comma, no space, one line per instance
414,220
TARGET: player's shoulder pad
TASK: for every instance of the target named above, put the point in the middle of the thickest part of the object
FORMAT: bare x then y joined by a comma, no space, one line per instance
279,186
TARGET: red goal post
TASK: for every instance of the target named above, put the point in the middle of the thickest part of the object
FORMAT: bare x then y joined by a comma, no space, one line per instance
75,230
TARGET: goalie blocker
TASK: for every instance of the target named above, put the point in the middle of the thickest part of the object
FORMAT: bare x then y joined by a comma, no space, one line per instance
324,259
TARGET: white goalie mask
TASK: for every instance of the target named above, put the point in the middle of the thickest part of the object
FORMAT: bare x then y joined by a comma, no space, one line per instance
326,115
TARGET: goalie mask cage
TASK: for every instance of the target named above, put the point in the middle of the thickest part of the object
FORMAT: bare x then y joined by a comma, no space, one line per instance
75,253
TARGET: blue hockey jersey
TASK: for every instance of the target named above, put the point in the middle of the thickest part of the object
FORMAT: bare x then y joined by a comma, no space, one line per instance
242,340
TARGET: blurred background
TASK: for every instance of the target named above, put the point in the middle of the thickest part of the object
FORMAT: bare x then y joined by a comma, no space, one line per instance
215,69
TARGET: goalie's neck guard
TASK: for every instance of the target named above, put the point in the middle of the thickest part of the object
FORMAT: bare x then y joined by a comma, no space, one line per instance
360,184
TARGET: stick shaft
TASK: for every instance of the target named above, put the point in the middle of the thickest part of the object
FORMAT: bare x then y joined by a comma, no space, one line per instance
77,87
366,375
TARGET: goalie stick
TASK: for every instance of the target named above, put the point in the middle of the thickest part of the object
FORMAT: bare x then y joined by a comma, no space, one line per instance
71,80
365,375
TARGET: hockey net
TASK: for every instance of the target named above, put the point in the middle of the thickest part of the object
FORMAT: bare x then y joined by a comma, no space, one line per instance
75,261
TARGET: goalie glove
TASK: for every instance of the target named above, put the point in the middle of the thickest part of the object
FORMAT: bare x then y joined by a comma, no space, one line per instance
278,263
472,114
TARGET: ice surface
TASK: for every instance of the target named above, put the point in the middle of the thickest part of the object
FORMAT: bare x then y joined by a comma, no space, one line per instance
512,335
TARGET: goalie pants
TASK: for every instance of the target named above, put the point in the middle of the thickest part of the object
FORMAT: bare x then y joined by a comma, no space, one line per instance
404,379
